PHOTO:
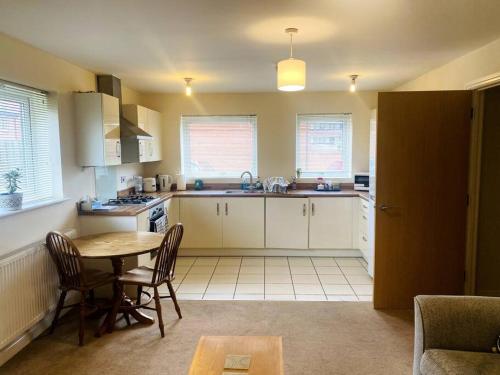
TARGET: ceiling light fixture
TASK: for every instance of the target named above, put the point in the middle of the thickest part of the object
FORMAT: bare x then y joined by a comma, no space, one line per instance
189,89
291,71
352,88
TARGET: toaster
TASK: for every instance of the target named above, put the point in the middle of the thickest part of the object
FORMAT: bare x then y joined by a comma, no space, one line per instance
149,184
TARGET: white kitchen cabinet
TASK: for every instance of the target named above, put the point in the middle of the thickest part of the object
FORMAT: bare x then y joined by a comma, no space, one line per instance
202,220
331,225
363,228
149,121
243,223
172,209
154,128
97,118
287,221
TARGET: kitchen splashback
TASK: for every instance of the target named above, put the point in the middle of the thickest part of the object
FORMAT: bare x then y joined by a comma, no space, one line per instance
105,183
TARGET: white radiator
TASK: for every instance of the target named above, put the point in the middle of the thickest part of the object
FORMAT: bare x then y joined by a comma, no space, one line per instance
28,291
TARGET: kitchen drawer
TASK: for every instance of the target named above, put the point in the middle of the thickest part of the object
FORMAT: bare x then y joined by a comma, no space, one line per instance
363,206
363,219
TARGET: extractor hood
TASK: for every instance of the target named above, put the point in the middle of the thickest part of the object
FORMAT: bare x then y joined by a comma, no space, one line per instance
111,85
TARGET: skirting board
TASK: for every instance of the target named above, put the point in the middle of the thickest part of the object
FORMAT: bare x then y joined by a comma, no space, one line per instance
22,341
272,252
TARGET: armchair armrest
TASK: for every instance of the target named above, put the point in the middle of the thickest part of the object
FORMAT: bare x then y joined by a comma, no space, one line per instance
466,323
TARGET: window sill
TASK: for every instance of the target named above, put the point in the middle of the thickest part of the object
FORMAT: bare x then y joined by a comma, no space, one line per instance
33,206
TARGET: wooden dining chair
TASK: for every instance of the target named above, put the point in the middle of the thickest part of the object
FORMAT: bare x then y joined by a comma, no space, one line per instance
74,276
162,273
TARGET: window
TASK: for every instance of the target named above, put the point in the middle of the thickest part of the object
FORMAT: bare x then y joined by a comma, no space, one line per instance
26,142
218,146
324,144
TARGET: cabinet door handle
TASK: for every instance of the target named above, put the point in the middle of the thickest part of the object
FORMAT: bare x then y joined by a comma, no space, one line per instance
365,239
118,149
218,209
364,217
226,208
304,209
312,209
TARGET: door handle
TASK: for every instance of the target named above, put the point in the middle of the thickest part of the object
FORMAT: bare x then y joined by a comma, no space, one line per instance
312,209
226,208
385,207
304,209
218,209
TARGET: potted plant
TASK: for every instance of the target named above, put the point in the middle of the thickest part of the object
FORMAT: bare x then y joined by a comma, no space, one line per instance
11,201
299,172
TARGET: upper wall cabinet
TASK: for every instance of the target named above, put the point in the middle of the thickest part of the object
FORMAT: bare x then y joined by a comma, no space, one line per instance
97,129
149,121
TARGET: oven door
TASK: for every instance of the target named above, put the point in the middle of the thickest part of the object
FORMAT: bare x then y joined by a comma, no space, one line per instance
158,225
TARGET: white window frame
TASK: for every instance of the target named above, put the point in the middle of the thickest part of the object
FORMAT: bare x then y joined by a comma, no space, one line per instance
347,175
212,177
53,144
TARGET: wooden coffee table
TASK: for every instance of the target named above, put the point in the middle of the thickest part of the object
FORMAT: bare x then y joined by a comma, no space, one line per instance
266,352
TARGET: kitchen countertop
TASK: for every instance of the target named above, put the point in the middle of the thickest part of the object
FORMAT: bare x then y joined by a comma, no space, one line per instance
131,210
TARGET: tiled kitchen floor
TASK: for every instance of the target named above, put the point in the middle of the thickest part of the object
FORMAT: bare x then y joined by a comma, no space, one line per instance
272,278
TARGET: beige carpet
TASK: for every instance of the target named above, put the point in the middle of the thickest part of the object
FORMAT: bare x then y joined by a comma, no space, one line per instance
318,338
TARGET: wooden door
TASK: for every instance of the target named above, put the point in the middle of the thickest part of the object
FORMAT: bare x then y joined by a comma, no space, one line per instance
421,195
243,223
202,220
287,221
330,223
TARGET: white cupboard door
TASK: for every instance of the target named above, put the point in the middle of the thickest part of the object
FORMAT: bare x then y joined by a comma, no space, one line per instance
154,129
202,220
143,222
287,221
172,209
111,130
142,117
243,223
331,222
143,150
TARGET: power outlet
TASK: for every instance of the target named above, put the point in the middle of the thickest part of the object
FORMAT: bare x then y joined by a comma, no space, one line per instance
123,179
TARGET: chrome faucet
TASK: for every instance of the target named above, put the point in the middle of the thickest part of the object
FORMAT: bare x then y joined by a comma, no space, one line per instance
250,186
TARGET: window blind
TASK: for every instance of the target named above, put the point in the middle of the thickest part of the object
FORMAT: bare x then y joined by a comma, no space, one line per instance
323,145
218,146
24,140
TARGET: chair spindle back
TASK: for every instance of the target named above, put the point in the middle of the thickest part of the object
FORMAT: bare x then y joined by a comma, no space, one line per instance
167,254
67,259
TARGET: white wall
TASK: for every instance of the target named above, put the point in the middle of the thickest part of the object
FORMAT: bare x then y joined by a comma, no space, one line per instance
276,117
30,66
459,72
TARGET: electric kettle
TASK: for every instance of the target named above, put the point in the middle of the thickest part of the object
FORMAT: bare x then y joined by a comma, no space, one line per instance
165,182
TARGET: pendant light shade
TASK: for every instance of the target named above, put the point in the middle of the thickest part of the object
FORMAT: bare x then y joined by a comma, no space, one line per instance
291,73
189,89
352,87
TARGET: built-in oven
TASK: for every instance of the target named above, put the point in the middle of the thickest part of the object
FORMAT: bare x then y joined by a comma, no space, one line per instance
158,222
361,181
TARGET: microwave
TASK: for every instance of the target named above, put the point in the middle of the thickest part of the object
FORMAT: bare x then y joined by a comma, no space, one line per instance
362,181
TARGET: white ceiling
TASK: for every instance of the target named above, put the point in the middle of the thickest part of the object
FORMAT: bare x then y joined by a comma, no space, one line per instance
233,45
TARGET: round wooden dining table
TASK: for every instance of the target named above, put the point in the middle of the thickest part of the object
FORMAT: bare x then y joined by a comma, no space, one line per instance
116,246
